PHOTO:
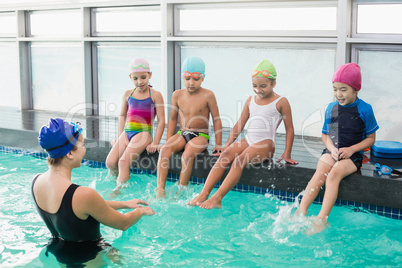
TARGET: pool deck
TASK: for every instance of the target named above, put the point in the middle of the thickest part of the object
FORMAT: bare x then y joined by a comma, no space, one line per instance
365,189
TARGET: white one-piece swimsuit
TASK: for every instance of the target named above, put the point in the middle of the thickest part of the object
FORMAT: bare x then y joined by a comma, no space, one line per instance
263,121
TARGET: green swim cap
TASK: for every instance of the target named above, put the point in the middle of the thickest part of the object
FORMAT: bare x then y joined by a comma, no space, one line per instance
193,64
264,69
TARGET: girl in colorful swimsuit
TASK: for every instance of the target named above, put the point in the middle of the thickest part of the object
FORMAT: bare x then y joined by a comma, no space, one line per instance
138,110
265,111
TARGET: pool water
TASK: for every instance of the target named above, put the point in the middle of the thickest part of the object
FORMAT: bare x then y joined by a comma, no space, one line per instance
251,230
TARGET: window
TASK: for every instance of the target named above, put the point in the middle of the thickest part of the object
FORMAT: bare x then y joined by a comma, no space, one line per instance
9,75
252,18
8,24
61,23
381,80
113,79
379,19
58,77
127,21
305,82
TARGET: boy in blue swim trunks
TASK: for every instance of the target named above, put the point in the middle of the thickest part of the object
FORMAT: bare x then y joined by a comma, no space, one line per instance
194,104
349,128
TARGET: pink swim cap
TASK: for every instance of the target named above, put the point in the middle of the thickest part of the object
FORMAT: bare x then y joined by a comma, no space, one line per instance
138,65
349,74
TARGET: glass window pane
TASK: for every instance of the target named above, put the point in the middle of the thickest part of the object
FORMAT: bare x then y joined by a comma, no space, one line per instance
127,20
384,19
305,82
58,77
55,23
9,76
258,19
113,79
381,87
8,24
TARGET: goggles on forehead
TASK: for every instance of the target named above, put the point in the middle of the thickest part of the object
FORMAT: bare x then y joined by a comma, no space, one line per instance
140,65
195,75
386,170
264,73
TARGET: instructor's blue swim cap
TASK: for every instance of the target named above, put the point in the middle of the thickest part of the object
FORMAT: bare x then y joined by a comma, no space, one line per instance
193,64
58,137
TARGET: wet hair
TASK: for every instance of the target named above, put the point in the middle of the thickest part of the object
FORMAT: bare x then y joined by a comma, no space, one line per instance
56,161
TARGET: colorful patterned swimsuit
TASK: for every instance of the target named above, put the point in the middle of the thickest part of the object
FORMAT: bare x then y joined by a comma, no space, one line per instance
140,115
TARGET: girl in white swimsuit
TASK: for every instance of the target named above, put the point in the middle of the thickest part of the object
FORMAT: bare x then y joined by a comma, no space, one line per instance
264,120
265,112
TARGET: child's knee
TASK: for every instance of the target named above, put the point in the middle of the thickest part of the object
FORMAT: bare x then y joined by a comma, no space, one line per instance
239,161
165,151
226,154
187,154
335,176
110,164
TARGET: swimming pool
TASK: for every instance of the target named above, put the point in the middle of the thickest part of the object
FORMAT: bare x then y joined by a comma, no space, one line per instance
250,230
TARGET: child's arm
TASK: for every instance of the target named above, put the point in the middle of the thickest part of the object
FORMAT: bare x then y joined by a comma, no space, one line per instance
239,126
174,114
286,111
123,115
216,120
346,152
330,146
160,116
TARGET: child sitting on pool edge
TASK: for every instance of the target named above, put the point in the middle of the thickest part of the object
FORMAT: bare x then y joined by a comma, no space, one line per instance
194,104
138,110
349,128
265,111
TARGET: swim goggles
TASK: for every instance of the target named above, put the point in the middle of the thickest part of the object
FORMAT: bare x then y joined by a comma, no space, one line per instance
386,170
264,73
140,65
195,75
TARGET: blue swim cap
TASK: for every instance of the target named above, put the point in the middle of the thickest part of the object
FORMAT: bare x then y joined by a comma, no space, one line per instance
193,64
58,137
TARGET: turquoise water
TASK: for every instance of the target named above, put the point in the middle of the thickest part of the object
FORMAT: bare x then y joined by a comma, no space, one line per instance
251,230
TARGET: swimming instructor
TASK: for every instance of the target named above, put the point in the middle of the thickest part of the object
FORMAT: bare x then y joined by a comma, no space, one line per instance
73,212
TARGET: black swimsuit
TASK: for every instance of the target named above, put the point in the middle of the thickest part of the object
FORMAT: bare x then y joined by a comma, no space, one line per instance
65,224
74,241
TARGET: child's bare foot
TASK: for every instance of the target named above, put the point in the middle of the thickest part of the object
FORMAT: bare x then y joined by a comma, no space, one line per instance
161,193
319,225
300,213
211,203
114,172
198,200
115,192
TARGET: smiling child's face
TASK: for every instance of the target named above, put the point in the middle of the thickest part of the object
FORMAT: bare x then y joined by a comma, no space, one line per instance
262,86
344,93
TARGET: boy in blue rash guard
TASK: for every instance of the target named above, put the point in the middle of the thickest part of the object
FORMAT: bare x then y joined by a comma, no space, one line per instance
349,128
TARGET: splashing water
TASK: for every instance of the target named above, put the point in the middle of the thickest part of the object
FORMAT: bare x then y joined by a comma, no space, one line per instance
250,229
